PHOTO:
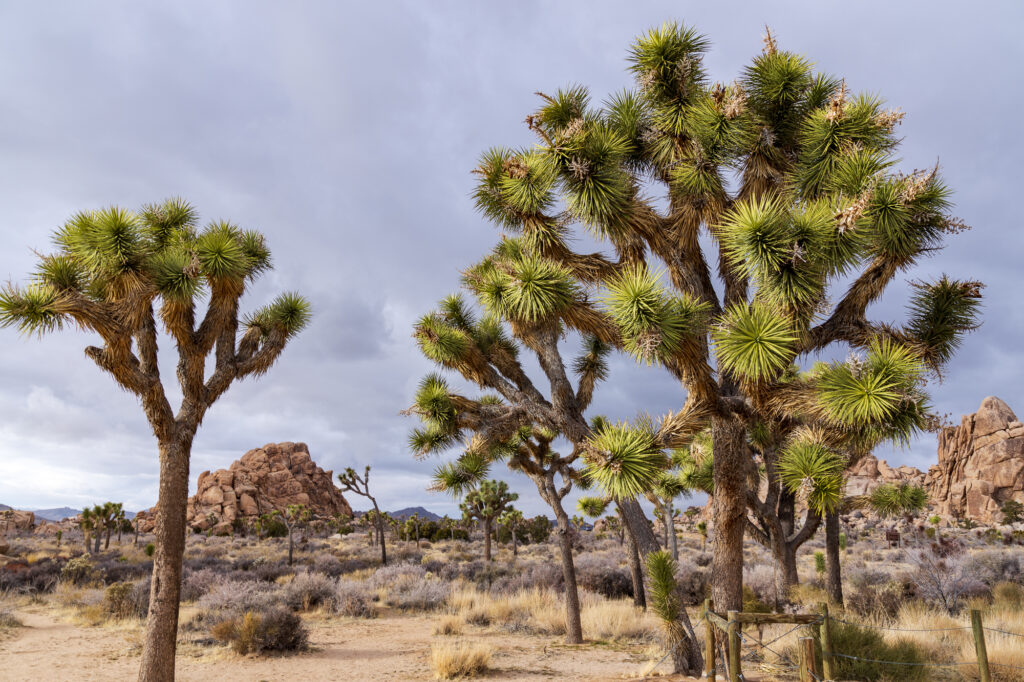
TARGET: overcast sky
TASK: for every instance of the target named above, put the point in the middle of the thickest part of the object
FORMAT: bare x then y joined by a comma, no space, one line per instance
346,132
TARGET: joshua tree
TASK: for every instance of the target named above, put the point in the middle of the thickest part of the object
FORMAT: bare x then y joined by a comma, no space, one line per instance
702,528
665,603
360,485
486,503
295,516
412,527
117,273
815,204
512,520
594,507
86,522
891,500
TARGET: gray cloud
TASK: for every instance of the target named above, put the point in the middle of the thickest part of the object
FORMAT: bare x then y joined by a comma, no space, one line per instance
346,133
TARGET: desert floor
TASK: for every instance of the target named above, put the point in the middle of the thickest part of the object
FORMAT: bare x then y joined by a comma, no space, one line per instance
395,647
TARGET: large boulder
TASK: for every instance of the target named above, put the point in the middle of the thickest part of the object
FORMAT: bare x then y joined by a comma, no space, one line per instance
262,480
870,472
981,464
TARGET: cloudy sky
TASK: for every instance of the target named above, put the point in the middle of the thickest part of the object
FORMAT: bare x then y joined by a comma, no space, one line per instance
346,132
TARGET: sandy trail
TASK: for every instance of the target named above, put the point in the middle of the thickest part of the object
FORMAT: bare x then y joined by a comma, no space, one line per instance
390,648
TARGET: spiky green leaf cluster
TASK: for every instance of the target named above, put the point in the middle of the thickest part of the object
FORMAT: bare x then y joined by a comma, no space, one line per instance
754,342
592,506
665,602
624,460
654,324
810,469
874,390
891,499
940,314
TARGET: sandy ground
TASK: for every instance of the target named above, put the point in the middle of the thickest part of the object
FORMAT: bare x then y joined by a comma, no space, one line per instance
49,649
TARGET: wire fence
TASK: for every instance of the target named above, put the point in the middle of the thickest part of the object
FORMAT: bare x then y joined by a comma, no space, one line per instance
784,660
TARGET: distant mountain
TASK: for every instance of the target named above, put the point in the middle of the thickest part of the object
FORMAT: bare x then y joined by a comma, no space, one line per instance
407,512
58,513
4,507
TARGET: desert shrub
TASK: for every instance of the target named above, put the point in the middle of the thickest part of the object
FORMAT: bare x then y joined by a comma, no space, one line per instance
692,582
449,625
247,595
992,566
538,528
327,564
450,662
601,573
760,578
150,549
195,584
353,599
79,571
270,571
873,592
8,619
114,569
308,590
870,644
388,576
535,574
425,595
943,579
126,600
274,629
37,577
1008,595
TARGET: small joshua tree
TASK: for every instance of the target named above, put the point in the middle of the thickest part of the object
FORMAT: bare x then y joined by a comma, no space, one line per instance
702,528
486,503
904,499
295,516
1013,512
512,521
360,485
665,602
120,274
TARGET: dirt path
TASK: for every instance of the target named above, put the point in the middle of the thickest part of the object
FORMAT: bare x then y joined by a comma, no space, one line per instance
393,648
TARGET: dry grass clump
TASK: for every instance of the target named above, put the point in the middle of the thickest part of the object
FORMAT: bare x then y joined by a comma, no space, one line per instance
8,620
456,661
276,629
449,625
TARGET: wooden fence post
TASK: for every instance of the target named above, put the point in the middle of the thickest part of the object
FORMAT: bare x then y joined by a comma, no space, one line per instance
825,634
808,670
734,647
709,643
979,645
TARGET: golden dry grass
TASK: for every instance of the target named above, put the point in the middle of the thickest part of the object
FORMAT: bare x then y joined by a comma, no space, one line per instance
449,625
456,661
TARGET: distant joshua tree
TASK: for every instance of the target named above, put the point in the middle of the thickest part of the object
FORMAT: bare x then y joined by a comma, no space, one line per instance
119,274
360,485
512,520
486,503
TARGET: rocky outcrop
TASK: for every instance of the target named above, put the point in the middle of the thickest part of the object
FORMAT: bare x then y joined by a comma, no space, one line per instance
870,472
16,519
981,464
264,479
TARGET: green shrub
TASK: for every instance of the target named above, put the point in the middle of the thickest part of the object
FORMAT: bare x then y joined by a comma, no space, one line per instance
79,571
865,643
819,562
150,549
842,542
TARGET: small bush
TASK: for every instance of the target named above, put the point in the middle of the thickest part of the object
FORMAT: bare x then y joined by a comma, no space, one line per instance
866,643
353,599
233,596
1008,595
40,576
422,596
120,601
449,625
450,662
601,573
308,590
276,629
79,571
8,619
150,549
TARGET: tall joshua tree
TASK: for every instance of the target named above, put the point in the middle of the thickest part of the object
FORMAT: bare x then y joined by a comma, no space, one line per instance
360,485
119,274
486,503
815,203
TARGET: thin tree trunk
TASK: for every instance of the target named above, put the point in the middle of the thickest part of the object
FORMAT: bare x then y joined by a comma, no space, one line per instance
636,571
515,545
573,624
673,541
833,569
646,543
487,540
730,513
96,544
165,591
291,545
106,545
380,535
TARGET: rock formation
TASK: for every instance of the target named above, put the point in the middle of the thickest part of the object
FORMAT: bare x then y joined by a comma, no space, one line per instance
981,464
870,472
18,520
264,479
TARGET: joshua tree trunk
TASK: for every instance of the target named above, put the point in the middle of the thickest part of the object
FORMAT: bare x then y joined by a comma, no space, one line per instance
291,546
833,569
487,540
96,542
635,569
165,591
380,534
730,512
673,542
515,544
573,625
647,543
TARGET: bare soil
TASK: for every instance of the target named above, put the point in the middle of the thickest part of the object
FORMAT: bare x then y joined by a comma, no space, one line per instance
394,647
